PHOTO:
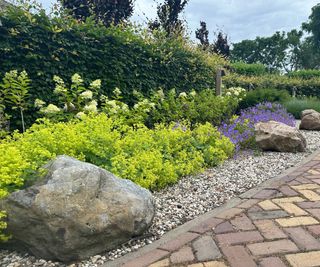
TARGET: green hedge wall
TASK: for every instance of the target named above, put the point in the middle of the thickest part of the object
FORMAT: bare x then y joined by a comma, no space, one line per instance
122,57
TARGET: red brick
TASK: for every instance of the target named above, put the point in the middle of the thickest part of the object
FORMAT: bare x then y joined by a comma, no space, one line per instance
273,247
238,238
314,229
272,262
183,255
302,238
242,222
315,212
223,228
147,259
309,204
265,193
237,256
179,241
286,190
206,225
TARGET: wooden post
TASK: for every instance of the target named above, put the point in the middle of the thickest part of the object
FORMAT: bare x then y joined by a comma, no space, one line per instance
294,91
218,83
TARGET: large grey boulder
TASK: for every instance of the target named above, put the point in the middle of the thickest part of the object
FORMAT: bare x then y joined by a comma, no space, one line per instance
310,120
277,136
77,211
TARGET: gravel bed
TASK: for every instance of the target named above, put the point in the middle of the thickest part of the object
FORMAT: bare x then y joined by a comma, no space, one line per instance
191,197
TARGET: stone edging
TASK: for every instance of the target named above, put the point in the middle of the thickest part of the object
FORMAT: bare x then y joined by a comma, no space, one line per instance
173,234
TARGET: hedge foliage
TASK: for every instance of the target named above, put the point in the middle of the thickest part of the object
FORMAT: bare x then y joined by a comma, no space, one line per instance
309,87
295,106
305,74
249,69
123,57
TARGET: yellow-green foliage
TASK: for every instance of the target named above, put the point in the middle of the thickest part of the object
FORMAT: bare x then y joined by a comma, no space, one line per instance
153,158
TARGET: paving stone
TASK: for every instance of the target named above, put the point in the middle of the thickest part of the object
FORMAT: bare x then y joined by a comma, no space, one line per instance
237,256
196,265
147,258
303,180
163,263
316,181
307,259
288,200
303,239
314,229
269,229
309,204
315,212
229,213
266,193
255,208
206,249
206,225
239,237
224,227
292,209
268,205
306,186
214,264
242,222
272,262
272,247
261,215
296,221
286,190
179,241
312,196
294,183
248,203
183,255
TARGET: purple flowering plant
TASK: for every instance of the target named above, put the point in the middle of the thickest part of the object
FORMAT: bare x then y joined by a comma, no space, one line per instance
240,129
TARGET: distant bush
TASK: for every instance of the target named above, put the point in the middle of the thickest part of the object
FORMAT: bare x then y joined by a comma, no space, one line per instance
305,74
296,105
309,87
257,96
249,69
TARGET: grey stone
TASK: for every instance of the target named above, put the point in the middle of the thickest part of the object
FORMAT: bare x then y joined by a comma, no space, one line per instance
206,249
277,136
310,120
77,211
261,215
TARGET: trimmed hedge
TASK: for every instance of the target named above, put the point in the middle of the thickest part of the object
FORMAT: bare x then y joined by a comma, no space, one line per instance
310,87
249,69
305,74
123,57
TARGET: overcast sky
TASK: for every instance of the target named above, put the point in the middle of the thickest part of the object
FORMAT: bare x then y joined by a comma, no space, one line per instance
240,19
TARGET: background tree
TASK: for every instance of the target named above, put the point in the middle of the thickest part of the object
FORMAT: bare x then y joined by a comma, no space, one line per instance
169,17
106,11
221,45
202,34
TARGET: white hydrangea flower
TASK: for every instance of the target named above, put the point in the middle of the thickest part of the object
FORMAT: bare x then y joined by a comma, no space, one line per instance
91,107
112,103
80,115
96,84
117,91
51,109
58,80
183,94
86,94
76,79
193,93
228,93
38,103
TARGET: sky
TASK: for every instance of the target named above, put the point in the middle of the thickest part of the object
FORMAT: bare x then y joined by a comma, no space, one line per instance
239,19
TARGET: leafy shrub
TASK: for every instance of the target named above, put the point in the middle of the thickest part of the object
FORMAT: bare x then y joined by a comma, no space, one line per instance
240,129
151,158
295,106
305,74
249,69
123,57
257,96
308,87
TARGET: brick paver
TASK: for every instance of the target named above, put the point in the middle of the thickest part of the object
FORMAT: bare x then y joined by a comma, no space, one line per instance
276,226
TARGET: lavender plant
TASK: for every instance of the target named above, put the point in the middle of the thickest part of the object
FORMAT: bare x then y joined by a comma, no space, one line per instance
240,129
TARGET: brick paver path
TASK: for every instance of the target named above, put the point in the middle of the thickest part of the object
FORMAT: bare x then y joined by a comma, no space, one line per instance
276,226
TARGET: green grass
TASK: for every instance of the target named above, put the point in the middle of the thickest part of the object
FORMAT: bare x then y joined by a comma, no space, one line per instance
296,105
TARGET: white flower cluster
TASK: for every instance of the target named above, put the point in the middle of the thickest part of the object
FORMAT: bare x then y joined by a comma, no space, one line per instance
91,107
76,79
60,86
238,92
145,104
51,109
38,103
86,94
96,84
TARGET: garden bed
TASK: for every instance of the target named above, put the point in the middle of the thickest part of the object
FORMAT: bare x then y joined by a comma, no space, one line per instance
193,196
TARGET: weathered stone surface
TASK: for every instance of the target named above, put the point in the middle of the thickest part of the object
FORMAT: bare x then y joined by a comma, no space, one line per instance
276,136
77,211
310,120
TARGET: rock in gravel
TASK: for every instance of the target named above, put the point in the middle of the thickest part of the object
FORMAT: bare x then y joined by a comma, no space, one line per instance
78,210
310,120
277,136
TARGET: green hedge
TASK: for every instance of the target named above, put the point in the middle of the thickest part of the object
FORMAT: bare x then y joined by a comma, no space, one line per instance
249,69
123,57
307,87
305,74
